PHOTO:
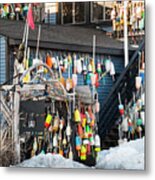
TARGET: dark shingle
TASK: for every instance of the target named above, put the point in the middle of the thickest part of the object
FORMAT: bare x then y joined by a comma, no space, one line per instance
62,37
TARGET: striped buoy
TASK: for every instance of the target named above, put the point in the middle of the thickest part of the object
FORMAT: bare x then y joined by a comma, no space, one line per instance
78,142
83,155
121,109
48,120
97,143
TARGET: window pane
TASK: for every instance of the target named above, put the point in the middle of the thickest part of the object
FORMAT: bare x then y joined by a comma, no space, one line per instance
108,8
67,13
97,11
79,12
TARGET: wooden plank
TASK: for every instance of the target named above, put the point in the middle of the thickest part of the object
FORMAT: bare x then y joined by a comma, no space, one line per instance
16,127
30,87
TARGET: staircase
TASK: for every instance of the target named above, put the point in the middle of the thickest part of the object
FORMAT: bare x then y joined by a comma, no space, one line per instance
109,114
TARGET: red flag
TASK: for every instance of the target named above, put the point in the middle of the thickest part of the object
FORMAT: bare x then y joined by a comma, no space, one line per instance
30,18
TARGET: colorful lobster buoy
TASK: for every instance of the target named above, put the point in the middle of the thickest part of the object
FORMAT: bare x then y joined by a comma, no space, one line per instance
92,124
48,120
56,123
69,59
142,115
77,116
65,64
90,69
121,109
61,152
99,70
107,65
97,143
55,140
91,139
112,70
93,65
78,143
69,84
35,146
49,61
85,139
70,153
93,80
138,82
83,155
74,80
83,119
68,130
130,125
80,130
142,75
64,141
88,117
79,66
88,79
84,68
96,80
139,122
87,129
97,107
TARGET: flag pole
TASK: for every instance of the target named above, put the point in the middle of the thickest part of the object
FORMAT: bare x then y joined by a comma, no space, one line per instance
126,53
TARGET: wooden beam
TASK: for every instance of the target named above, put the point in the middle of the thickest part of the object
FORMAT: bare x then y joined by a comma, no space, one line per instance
16,127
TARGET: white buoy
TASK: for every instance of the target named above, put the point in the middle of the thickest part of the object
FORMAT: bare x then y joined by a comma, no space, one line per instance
112,69
108,65
138,82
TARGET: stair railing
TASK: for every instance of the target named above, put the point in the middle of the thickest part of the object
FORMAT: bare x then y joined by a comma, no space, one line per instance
125,85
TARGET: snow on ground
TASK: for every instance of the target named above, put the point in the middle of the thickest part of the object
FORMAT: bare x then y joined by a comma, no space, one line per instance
51,161
129,155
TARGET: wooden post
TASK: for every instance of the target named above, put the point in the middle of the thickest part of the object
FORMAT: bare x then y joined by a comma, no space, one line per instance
16,127
94,47
0,132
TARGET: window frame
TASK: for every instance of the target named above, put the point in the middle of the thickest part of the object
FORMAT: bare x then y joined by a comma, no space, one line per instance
73,14
103,14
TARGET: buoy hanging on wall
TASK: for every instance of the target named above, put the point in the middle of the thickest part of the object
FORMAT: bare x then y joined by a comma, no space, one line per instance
97,143
138,82
48,120
107,65
49,61
77,116
74,79
121,109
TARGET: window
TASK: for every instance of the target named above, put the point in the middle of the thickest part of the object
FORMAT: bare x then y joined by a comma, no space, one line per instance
51,10
67,12
72,12
79,12
97,9
101,10
108,7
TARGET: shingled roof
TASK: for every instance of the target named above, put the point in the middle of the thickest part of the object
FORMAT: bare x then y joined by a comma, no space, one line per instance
73,38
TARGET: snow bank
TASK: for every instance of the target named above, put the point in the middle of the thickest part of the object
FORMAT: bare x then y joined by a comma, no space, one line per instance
50,161
129,155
